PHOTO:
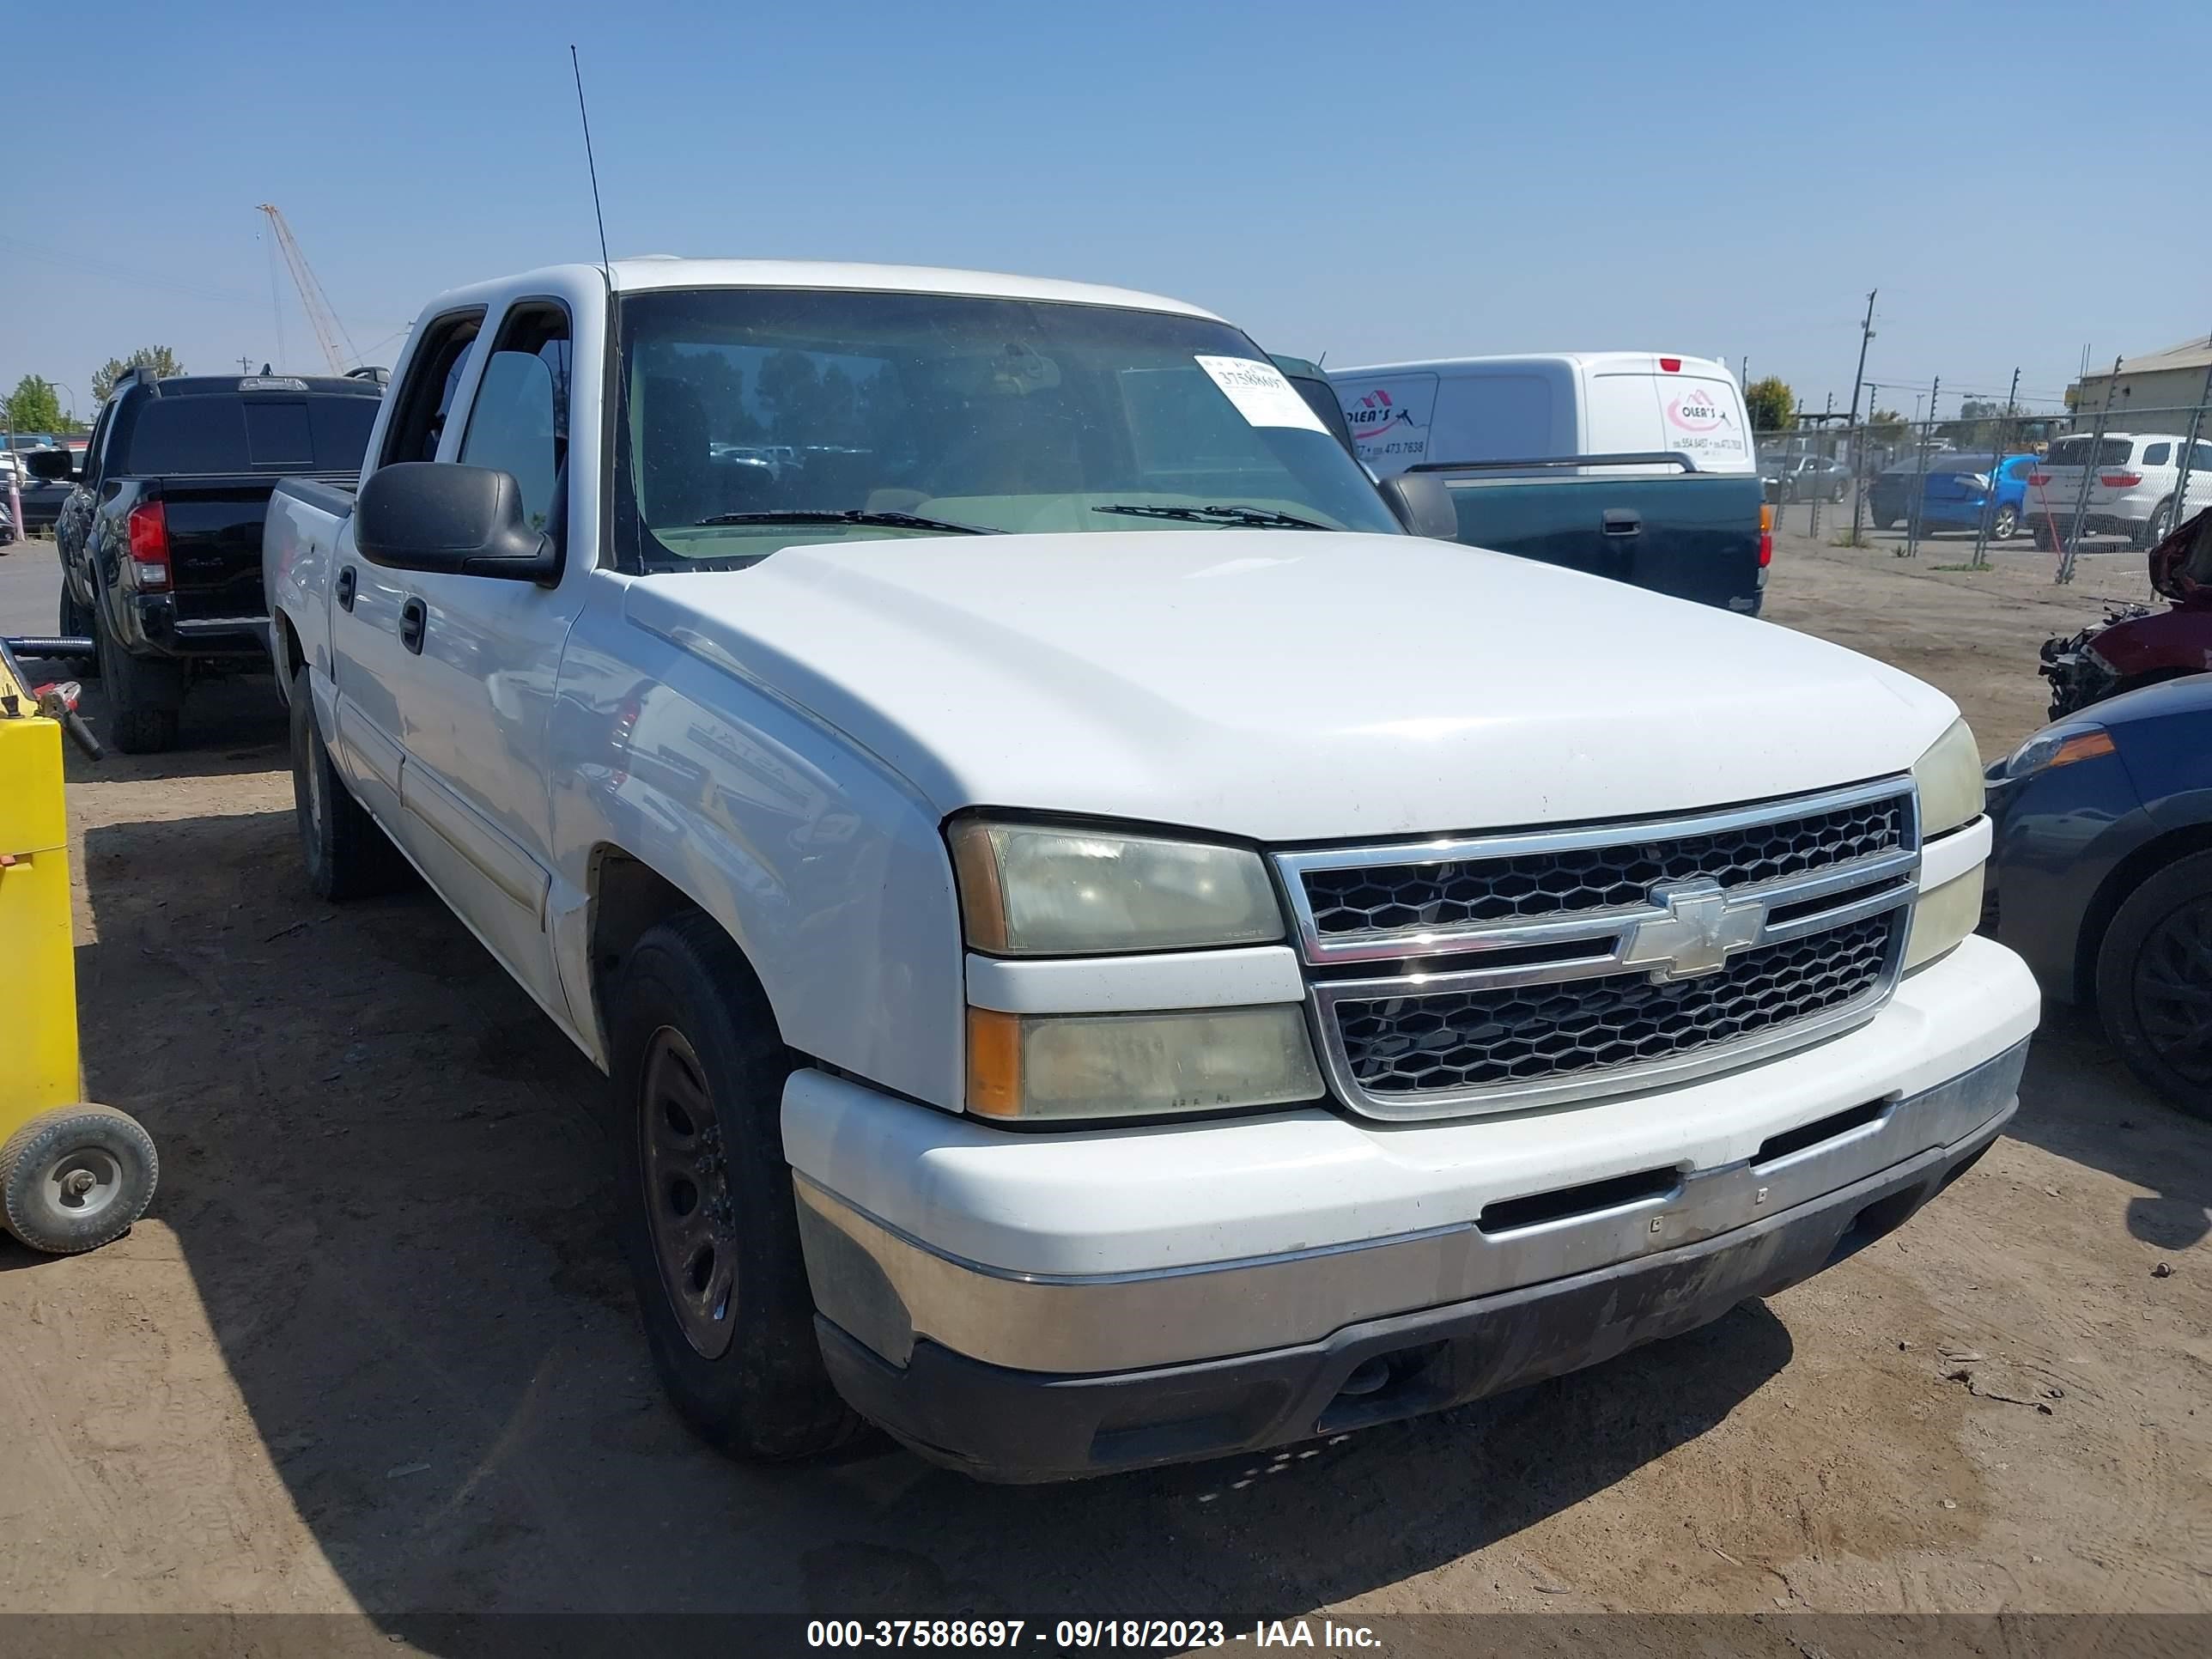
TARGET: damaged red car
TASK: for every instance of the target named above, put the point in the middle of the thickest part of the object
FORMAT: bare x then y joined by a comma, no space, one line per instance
2137,645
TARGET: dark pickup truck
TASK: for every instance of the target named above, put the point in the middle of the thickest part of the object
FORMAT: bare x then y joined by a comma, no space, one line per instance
161,540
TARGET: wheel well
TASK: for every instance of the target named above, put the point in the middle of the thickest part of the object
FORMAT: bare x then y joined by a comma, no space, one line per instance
294,658
629,899
2129,874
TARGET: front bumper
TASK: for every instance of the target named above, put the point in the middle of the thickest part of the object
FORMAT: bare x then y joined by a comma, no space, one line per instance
1002,1424
954,1264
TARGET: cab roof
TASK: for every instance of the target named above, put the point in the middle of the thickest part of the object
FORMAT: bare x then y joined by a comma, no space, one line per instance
651,271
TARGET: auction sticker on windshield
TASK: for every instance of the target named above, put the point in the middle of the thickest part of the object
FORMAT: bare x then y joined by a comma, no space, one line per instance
1261,393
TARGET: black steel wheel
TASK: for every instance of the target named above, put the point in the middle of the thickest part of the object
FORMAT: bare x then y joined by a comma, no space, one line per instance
709,1220
2154,982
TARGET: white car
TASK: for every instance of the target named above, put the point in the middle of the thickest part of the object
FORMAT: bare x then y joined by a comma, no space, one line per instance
2132,477
1107,950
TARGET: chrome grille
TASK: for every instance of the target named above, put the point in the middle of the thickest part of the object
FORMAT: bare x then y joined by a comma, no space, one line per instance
1471,1039
1450,892
1490,973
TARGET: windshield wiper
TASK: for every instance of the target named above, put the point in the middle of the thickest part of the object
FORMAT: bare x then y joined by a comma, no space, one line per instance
1257,518
851,515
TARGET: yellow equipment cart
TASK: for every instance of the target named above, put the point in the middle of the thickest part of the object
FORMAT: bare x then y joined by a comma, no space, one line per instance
72,1175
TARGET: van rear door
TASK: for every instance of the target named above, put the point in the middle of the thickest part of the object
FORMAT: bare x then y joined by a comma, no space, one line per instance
1684,404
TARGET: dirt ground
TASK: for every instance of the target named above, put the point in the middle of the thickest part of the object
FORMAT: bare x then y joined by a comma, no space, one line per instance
375,1349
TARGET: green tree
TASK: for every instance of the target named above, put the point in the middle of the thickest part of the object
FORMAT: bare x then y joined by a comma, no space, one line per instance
1771,404
1886,426
162,360
36,406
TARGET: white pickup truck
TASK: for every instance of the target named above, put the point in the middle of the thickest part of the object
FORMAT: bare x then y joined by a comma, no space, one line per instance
1110,951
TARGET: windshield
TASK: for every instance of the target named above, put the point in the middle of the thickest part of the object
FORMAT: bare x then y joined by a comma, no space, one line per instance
869,415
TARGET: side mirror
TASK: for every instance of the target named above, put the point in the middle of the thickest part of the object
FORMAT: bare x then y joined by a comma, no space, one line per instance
48,465
1421,503
461,520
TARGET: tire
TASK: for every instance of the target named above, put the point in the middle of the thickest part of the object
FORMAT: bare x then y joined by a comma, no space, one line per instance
2045,541
2154,983
2157,528
2004,524
75,1178
144,697
75,622
347,856
708,1218
1836,495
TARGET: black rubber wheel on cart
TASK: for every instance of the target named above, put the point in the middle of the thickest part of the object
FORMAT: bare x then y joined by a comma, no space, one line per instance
75,1178
708,1218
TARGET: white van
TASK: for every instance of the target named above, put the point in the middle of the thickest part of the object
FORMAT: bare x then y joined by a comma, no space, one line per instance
1579,402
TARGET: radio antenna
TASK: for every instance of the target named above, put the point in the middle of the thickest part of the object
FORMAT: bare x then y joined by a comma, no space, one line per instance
590,161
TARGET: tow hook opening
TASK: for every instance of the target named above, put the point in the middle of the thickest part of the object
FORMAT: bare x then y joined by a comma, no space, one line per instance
1384,1386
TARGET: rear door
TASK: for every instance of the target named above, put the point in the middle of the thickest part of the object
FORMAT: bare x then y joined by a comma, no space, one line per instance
368,661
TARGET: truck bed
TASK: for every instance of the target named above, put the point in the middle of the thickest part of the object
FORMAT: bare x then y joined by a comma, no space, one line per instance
1691,535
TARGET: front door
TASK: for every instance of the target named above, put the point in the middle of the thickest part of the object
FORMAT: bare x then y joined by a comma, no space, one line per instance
474,703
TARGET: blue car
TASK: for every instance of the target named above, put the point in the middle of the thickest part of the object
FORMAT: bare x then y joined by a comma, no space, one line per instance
1953,492
2101,876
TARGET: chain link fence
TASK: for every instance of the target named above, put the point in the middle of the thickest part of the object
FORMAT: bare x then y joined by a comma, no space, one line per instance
2008,484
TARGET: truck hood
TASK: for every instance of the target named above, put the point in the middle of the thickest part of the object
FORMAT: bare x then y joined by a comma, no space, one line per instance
1289,686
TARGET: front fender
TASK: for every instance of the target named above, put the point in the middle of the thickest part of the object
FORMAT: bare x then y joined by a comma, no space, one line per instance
827,870
2062,837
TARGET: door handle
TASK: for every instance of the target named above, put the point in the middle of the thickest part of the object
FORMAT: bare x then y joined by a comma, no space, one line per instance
345,588
414,617
1623,521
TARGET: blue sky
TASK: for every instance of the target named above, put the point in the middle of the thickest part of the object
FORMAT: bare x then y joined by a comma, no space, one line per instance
1373,180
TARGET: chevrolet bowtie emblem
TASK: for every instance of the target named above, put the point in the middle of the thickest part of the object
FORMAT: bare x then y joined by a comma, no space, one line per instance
1702,929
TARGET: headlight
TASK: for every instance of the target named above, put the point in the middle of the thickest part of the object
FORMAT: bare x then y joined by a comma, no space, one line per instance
1950,780
2059,746
1031,889
1046,1067
1943,918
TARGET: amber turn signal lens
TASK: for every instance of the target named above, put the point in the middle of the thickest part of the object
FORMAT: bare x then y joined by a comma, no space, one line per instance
995,1063
2087,746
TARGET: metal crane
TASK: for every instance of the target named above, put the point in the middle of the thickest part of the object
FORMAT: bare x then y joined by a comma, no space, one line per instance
329,330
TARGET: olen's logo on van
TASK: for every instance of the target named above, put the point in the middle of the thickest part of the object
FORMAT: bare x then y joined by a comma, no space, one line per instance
1373,412
1695,411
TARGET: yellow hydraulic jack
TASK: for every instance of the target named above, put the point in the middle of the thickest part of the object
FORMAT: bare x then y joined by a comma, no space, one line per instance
72,1175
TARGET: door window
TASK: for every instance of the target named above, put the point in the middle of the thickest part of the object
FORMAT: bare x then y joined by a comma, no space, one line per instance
425,397
2157,455
519,423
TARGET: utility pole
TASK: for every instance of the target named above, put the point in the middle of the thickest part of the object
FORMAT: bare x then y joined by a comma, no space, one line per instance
1866,333
1997,471
245,364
